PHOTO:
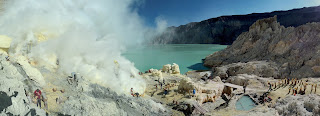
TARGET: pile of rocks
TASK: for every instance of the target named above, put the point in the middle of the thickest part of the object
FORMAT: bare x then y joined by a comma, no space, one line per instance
5,44
301,105
172,69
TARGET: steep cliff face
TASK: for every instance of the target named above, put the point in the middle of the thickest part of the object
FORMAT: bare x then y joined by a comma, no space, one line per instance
294,50
225,29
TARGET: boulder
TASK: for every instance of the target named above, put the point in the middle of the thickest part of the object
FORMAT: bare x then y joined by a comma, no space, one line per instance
251,81
186,86
5,41
175,69
259,68
166,68
316,69
227,90
237,80
156,73
217,79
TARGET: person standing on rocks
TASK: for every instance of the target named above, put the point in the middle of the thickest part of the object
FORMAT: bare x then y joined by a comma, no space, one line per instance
165,92
280,84
292,91
45,101
300,91
289,90
270,86
315,88
285,82
37,93
7,58
311,88
131,91
244,89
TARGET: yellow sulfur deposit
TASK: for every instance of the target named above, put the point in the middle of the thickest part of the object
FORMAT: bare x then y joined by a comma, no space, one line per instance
41,37
5,43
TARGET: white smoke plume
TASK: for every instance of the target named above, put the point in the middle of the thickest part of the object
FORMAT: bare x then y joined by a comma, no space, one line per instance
87,36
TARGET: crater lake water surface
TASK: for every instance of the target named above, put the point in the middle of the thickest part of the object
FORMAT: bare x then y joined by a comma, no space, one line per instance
187,56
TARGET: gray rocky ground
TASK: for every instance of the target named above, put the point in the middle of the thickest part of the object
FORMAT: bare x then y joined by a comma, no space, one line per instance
12,91
299,105
102,101
82,98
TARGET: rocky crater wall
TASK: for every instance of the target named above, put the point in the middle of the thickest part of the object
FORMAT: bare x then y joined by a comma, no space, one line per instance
225,29
294,51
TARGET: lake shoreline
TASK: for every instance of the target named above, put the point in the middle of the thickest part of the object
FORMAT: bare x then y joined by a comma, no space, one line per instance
185,55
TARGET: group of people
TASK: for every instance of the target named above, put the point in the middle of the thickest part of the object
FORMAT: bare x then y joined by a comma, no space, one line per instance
39,96
296,86
165,88
134,94
160,83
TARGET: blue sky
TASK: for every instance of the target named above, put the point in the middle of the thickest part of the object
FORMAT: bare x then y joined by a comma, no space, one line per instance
179,12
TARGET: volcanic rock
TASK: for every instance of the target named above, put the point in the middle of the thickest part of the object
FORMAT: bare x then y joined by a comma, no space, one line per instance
225,29
294,51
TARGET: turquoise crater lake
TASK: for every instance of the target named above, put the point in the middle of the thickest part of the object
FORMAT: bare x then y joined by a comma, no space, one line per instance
187,56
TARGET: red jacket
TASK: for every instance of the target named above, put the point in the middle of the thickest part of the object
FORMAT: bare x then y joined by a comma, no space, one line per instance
38,94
